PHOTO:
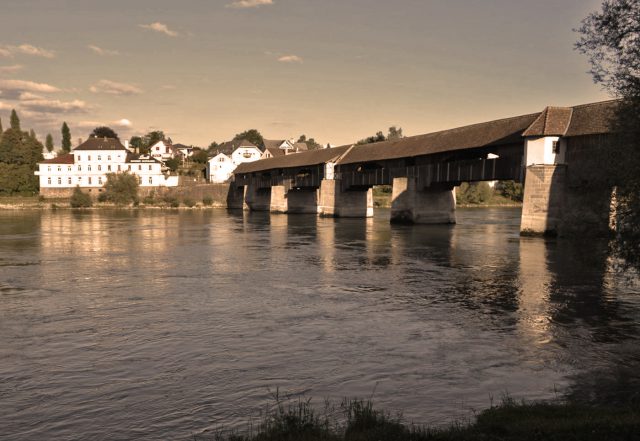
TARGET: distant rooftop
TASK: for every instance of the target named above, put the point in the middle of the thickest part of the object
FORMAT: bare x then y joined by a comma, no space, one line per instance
101,144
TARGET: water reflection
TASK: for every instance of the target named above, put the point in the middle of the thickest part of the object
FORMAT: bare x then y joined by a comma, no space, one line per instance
177,321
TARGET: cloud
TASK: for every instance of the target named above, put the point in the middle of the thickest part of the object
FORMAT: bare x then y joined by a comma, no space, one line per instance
244,4
55,106
28,96
124,122
4,106
11,69
101,51
159,27
12,89
290,59
26,49
114,88
168,87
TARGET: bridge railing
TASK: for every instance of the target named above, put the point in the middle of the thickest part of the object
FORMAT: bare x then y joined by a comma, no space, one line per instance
493,169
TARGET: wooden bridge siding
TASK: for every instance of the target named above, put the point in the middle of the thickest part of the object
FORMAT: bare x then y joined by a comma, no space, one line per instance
286,177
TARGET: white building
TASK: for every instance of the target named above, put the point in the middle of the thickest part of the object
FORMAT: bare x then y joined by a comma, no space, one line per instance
89,163
220,168
162,151
245,152
273,148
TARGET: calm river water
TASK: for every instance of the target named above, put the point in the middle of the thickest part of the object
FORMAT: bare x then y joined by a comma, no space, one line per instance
154,325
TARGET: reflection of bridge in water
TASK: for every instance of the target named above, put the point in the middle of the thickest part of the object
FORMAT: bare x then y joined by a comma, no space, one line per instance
551,151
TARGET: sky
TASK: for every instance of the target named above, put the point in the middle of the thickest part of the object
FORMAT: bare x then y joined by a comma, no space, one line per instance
335,70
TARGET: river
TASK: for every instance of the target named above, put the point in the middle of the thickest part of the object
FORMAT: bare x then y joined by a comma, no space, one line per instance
151,324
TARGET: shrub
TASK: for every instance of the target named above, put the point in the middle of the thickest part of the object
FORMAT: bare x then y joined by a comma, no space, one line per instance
189,202
207,201
148,200
79,199
175,203
121,188
102,197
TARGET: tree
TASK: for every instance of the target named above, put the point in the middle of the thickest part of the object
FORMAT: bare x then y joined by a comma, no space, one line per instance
253,136
14,122
394,133
104,132
173,163
19,156
136,142
200,157
610,38
378,137
121,188
49,143
80,199
66,137
212,147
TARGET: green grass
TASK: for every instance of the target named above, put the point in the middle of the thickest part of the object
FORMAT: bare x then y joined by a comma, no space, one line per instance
357,420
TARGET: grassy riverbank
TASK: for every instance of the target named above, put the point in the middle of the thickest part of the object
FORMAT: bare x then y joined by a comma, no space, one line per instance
510,421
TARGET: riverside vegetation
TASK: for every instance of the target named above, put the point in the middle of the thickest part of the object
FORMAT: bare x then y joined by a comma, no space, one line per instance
358,420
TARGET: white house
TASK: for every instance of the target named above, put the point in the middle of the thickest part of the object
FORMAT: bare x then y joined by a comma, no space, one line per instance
162,151
245,152
88,164
282,147
220,168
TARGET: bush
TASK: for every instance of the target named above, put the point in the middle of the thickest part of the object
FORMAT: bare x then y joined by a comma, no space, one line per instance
121,188
189,202
80,199
148,200
175,203
102,197
207,201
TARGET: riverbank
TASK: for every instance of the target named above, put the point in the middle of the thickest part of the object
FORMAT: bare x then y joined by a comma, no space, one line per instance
510,421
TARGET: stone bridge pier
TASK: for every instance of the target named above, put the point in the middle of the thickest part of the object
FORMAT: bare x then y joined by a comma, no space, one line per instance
414,205
280,199
338,202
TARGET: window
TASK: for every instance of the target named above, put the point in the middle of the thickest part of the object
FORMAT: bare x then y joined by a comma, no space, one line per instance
88,168
129,167
49,181
89,158
59,168
59,181
109,158
49,168
69,168
221,159
150,167
139,167
555,147
99,167
100,180
119,167
150,180
69,180
79,168
157,149
78,158
79,179
109,167
89,180
99,158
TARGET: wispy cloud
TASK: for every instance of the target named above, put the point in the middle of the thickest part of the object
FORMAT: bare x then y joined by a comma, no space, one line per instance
103,52
290,59
159,27
25,49
11,69
11,89
55,106
28,96
243,4
114,88
124,122
5,106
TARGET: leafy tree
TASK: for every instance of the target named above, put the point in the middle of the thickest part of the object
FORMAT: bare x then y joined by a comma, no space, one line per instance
153,137
104,132
378,137
14,121
213,147
610,38
310,142
394,133
253,136
49,143
201,157
19,156
121,188
474,193
66,138
80,199
136,142
510,190
173,163
303,138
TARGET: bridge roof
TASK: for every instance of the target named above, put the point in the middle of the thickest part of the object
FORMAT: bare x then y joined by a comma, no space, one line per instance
499,132
293,160
587,119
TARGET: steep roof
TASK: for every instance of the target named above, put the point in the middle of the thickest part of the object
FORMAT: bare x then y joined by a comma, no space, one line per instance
273,143
300,146
275,151
303,159
498,132
553,121
592,119
229,146
67,158
101,144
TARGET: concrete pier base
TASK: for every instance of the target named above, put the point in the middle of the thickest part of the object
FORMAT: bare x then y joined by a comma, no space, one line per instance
301,200
257,199
337,203
236,198
279,200
544,199
433,205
